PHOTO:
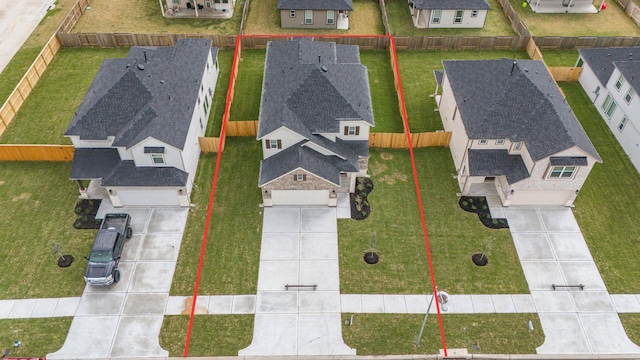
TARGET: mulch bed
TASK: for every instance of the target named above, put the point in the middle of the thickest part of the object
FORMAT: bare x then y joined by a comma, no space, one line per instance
478,205
86,211
360,206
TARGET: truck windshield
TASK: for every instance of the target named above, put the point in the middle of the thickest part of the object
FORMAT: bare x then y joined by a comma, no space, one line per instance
100,256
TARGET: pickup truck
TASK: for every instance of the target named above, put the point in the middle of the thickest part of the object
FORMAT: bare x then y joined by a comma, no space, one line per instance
102,268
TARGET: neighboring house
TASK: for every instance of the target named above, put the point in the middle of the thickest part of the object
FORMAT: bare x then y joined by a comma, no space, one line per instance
315,14
562,6
315,115
199,8
136,131
449,13
512,128
611,79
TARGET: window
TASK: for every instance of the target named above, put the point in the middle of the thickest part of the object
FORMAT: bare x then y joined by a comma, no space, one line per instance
299,177
308,17
201,126
580,62
157,159
292,13
208,4
620,82
206,104
474,13
623,123
352,130
210,92
500,142
482,142
177,2
458,18
225,1
331,17
609,106
562,172
629,95
435,16
274,144
517,146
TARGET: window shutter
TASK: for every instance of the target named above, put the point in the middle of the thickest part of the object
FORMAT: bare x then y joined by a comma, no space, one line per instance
357,130
268,143
279,144
304,177
346,130
295,177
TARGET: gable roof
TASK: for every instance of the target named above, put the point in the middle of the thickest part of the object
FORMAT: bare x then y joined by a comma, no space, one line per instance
497,163
631,72
516,100
150,93
601,60
315,4
451,4
308,86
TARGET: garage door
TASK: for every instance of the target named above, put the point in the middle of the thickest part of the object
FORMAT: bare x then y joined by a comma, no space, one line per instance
540,197
300,197
168,197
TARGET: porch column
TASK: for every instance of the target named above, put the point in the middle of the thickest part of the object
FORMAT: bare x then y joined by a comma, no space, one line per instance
83,191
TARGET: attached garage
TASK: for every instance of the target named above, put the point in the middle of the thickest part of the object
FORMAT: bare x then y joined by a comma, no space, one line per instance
145,197
300,197
539,197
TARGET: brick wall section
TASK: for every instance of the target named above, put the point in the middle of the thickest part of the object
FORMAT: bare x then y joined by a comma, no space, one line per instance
363,164
287,182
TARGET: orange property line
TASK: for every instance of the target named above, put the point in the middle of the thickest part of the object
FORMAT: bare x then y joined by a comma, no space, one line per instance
225,120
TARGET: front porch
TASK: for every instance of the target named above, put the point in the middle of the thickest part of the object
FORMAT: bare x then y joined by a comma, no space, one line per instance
342,21
199,9
565,6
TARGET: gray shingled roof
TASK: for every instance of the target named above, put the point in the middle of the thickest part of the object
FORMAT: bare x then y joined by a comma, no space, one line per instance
315,4
128,174
600,60
516,100
132,99
497,163
452,4
93,163
631,72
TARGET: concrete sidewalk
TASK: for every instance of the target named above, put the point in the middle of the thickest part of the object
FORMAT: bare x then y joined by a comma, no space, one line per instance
552,250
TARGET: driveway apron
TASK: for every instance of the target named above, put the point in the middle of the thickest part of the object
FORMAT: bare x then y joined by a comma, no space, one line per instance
553,251
124,319
299,247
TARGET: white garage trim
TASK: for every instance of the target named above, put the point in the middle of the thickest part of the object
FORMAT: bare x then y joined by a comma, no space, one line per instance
148,197
540,197
300,197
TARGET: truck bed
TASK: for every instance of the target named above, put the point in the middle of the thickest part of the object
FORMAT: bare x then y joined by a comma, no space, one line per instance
119,222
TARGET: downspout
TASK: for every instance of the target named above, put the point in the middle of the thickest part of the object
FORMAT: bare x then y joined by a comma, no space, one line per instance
569,6
196,7
161,7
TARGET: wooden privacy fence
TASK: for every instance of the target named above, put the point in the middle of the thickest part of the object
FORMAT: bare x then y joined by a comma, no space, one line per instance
110,40
242,128
209,144
567,74
20,93
73,15
36,152
418,140
631,9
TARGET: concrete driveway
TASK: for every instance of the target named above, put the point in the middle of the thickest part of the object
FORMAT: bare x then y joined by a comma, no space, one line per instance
124,319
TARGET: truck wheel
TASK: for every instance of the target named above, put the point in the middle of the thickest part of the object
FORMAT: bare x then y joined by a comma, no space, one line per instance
129,233
116,276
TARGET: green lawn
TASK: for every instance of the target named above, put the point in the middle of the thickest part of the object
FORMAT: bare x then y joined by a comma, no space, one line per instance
389,334
38,201
246,101
386,112
454,234
496,24
225,61
560,57
232,258
39,337
45,115
607,207
211,335
631,323
418,81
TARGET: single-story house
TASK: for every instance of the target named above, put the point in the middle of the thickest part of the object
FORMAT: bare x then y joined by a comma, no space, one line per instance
611,79
562,6
512,129
198,8
449,13
313,14
136,132
315,115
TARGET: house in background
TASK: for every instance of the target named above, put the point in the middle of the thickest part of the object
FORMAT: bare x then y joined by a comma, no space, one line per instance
221,9
449,13
562,6
310,14
513,131
136,131
611,79
315,115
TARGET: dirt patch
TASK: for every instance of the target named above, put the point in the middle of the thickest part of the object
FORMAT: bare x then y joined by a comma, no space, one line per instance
376,168
188,302
22,196
393,178
386,156
1,182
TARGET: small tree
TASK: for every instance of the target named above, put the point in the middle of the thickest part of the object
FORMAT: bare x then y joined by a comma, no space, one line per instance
57,250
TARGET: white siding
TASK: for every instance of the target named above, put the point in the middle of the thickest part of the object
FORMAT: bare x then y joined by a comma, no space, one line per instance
172,156
146,197
590,83
300,197
287,137
448,16
363,131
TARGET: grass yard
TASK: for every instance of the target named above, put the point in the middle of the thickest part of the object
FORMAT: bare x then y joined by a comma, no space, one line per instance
560,57
631,323
611,22
212,335
145,17
386,112
418,81
389,334
232,256
39,337
225,61
248,90
47,112
21,61
264,18
607,208
401,24
38,201
454,235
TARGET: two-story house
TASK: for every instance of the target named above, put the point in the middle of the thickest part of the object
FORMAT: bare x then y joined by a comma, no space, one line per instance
512,128
136,132
449,13
611,79
315,115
